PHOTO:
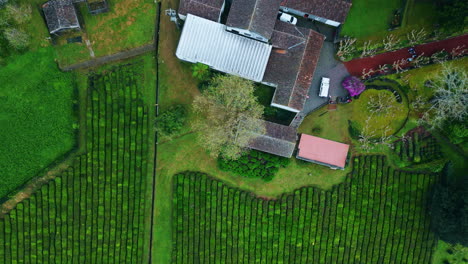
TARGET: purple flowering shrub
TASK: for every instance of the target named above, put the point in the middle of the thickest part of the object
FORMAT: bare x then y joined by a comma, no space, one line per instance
354,85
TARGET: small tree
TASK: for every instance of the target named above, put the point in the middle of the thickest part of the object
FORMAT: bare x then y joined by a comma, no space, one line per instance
367,49
345,48
398,65
228,116
367,73
459,52
415,37
379,104
390,42
20,14
440,56
201,71
18,39
171,122
353,85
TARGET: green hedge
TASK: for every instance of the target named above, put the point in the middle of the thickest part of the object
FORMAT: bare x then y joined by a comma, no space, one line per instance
254,164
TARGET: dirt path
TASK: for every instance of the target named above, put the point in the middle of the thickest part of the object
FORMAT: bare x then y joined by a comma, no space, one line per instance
356,66
111,58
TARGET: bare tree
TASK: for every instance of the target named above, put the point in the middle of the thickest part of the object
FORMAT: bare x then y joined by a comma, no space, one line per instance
367,49
383,69
451,97
365,138
420,60
20,14
379,104
18,39
228,116
416,37
440,56
398,65
390,42
346,47
458,52
367,73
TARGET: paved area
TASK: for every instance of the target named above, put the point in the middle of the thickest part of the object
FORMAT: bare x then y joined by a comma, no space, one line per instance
356,66
326,67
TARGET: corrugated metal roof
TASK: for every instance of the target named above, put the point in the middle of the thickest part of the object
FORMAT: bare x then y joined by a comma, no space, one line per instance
209,43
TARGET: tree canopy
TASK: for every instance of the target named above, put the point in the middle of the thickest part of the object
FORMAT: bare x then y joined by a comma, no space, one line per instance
227,114
449,209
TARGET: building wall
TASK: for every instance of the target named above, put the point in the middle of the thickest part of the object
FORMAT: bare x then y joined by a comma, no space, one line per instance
310,16
246,33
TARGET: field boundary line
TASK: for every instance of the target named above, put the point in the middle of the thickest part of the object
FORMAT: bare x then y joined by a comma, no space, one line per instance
156,109
111,58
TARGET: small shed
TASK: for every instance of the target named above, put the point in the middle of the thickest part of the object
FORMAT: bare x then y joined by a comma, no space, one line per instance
277,140
60,15
97,6
323,151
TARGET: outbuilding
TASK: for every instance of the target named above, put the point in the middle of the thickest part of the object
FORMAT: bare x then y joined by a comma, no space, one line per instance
322,151
60,15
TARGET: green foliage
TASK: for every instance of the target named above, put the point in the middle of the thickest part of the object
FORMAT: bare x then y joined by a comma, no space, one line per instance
456,131
254,164
373,217
449,209
171,122
36,116
452,14
201,71
97,209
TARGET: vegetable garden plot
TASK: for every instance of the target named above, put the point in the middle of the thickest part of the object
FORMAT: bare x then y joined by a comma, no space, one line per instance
377,216
95,212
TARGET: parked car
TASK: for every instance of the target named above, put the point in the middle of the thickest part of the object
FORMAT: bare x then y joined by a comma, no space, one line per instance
324,87
287,18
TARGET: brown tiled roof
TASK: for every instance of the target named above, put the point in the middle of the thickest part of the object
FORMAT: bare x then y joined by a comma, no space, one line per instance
258,16
278,140
209,9
292,71
335,10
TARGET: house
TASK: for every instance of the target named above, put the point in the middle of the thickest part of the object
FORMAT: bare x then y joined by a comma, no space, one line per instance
208,9
60,15
278,140
292,64
322,151
208,42
253,18
330,12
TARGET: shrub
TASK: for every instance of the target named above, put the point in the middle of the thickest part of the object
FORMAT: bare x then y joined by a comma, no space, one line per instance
353,85
457,132
201,71
17,39
171,122
254,164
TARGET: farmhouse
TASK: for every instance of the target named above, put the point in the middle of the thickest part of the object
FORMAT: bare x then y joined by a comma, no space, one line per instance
254,19
209,9
292,65
278,140
60,16
208,42
330,12
254,44
322,151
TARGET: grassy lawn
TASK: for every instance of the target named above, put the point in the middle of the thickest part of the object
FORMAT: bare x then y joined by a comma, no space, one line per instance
446,253
36,116
128,24
368,17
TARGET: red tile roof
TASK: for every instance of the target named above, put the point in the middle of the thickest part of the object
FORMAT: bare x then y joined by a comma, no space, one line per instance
323,151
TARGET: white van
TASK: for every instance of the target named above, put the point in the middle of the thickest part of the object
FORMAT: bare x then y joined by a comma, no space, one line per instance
324,87
287,18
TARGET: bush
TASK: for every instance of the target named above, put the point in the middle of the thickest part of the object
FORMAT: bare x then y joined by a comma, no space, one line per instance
254,164
171,122
17,38
457,132
201,71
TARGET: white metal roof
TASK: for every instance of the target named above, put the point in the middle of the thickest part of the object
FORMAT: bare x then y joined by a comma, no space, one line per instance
209,43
